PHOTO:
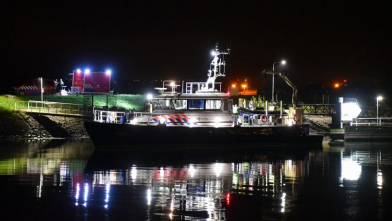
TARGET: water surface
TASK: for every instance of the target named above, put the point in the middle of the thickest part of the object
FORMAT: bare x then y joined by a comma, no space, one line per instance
72,180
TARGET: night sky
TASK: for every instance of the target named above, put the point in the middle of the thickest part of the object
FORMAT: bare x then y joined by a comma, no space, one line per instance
322,42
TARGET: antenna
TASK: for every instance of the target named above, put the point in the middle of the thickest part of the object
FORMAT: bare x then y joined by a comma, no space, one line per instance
215,68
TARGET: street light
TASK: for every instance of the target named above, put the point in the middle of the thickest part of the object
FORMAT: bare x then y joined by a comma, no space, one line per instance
244,86
273,76
379,98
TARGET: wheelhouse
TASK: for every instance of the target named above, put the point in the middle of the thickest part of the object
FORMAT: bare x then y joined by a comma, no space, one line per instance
191,103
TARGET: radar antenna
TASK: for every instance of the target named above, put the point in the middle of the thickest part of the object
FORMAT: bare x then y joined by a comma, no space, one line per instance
216,67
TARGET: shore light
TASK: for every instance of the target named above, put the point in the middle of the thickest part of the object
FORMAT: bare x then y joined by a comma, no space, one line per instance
244,86
283,62
379,98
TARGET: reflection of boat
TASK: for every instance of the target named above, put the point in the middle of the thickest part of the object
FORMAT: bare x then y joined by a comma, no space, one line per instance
198,114
217,189
125,158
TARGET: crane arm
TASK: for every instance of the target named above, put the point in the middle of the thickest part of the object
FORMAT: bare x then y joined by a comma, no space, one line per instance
288,82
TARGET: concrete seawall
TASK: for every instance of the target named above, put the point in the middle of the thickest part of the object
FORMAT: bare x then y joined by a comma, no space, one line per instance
368,133
16,126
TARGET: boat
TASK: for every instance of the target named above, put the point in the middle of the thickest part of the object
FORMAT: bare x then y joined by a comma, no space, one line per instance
198,113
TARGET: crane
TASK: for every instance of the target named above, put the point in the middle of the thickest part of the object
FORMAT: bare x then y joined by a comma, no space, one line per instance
287,80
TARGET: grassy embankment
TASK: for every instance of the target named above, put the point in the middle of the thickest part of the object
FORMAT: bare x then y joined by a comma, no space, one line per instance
121,101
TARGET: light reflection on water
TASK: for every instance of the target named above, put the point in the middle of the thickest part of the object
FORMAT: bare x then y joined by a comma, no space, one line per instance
71,176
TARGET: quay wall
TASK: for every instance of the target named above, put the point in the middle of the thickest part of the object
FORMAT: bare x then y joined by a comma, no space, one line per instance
368,133
16,126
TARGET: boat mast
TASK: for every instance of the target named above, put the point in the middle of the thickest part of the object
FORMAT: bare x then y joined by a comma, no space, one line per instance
215,68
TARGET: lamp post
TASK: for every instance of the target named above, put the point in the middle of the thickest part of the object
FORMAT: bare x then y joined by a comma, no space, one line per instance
379,98
42,92
273,76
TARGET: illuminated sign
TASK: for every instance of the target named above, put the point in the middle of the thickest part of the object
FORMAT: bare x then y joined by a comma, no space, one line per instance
349,109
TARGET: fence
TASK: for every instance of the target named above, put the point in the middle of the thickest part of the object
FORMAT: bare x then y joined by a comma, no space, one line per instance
55,108
381,121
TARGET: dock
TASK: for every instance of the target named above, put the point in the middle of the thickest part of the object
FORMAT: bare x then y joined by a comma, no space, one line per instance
364,129
368,133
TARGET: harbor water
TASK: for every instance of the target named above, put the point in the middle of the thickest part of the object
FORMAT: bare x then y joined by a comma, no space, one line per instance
73,180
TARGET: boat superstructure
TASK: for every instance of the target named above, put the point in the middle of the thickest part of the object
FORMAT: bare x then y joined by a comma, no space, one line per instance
196,113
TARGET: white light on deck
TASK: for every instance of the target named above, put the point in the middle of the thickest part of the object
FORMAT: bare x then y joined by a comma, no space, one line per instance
133,174
78,71
87,71
148,196
149,96
379,179
192,170
108,72
218,168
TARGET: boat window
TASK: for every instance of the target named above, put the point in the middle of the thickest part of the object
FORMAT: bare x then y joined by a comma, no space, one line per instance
213,104
161,104
180,104
196,104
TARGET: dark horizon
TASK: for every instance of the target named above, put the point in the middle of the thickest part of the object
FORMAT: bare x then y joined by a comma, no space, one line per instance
322,43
